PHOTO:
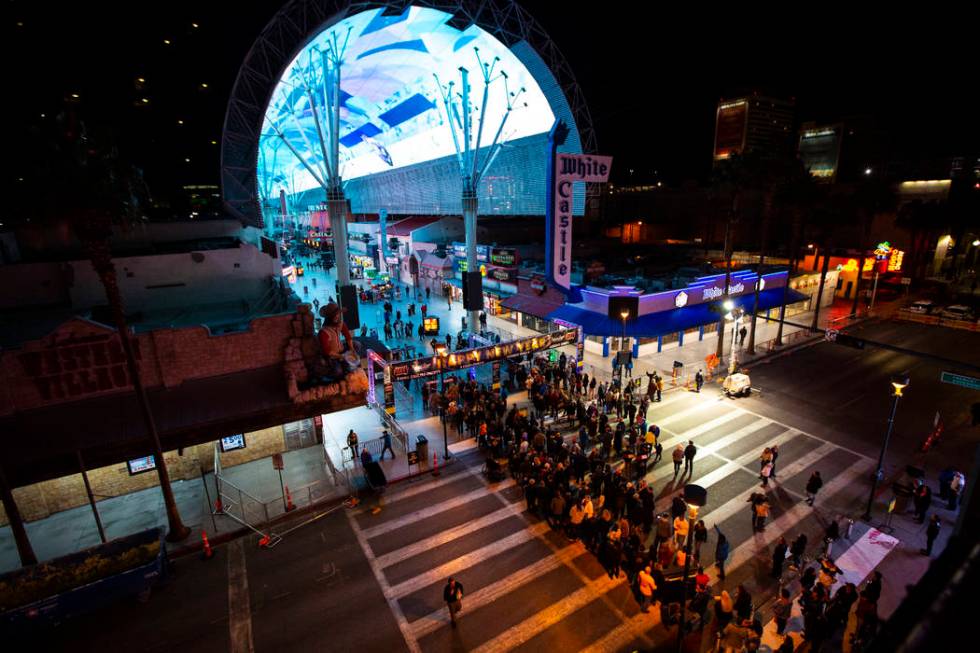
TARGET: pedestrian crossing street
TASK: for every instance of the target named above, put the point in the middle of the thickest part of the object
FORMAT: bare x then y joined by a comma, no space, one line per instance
529,588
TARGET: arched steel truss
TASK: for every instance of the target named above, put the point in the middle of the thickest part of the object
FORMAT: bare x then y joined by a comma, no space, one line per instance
300,20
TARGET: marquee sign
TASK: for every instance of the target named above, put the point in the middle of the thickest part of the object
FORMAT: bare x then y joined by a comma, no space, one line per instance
458,360
570,168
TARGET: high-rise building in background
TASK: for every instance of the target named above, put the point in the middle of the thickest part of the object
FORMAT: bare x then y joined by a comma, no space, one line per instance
754,123
819,149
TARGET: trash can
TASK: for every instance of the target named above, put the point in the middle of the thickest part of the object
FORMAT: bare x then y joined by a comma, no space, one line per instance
422,448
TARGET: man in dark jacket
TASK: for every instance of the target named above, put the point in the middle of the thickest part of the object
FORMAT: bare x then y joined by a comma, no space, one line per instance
452,594
722,548
932,532
813,486
778,556
689,452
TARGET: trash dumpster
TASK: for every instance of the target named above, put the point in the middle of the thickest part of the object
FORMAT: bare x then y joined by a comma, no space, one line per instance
422,448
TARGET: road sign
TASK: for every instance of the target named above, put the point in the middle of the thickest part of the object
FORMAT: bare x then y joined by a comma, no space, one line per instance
277,461
969,382
906,281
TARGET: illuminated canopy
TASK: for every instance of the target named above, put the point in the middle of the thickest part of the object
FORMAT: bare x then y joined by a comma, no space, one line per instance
396,150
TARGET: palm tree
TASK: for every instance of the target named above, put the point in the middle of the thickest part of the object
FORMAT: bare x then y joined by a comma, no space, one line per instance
99,189
828,219
871,198
801,196
730,181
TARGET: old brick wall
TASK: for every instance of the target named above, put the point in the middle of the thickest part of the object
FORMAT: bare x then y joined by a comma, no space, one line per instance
43,499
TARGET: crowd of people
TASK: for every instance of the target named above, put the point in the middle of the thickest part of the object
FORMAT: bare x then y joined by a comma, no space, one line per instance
591,487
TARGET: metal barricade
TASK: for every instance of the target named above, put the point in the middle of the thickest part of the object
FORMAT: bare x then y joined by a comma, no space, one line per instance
241,506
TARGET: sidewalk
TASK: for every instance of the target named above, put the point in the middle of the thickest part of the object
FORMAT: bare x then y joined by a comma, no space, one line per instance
74,529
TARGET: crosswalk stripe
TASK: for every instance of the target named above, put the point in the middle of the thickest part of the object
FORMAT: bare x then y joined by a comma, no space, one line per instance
468,560
421,546
731,466
391,498
554,613
839,446
704,427
490,593
435,509
738,502
673,417
619,637
396,610
779,526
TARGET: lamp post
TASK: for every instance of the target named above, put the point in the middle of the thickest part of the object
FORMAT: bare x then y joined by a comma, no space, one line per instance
899,383
442,352
625,314
734,314
695,497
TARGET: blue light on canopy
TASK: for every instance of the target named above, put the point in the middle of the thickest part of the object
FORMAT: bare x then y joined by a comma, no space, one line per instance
391,115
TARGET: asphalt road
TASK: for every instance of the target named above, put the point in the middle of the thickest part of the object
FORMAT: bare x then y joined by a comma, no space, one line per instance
844,395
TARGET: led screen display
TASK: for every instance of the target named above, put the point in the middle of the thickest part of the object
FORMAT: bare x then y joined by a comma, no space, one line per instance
393,119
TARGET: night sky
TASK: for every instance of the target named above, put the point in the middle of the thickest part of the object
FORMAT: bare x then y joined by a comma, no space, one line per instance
652,77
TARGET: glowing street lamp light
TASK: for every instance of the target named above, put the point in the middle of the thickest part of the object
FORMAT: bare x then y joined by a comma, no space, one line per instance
899,382
625,314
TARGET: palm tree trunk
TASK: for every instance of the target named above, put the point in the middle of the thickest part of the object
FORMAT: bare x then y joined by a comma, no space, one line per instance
24,549
823,280
764,238
794,247
102,262
865,244
728,276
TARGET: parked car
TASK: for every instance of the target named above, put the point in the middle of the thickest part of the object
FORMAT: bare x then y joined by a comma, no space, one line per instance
957,312
923,306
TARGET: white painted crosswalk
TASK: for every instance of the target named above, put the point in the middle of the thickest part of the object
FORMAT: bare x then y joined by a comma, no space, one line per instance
529,587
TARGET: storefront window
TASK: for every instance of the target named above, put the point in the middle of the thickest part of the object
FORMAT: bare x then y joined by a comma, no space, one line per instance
670,337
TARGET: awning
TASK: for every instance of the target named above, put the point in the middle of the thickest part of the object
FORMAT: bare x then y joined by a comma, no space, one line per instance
531,305
679,319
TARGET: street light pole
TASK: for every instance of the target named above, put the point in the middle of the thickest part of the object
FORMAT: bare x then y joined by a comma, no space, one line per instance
899,383
625,314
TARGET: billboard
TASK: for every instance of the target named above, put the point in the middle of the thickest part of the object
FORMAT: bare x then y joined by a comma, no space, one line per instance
730,128
820,150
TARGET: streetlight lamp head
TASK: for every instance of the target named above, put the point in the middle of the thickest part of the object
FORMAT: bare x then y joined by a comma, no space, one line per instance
899,383
976,243
729,305
867,171
624,314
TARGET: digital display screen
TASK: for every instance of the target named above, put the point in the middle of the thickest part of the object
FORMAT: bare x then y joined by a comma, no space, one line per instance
393,118
140,465
820,150
233,442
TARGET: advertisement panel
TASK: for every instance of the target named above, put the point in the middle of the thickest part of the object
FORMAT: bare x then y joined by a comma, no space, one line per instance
140,465
730,127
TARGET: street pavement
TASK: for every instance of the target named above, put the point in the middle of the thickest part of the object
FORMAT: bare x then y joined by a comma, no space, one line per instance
357,579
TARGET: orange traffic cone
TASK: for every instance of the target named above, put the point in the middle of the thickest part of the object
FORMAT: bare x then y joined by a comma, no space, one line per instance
289,500
435,464
219,507
207,553
264,542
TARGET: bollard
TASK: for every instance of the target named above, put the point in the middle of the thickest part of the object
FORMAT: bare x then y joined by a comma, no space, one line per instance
848,529
219,507
435,464
206,553
289,500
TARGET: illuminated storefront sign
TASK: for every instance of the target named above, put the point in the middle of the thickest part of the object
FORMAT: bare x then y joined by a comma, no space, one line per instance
503,257
140,465
233,442
713,293
458,360
569,169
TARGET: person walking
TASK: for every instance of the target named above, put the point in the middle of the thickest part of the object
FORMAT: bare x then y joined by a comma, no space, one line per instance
932,532
700,537
352,443
722,549
386,438
698,381
678,457
452,594
689,452
778,557
797,549
781,611
742,333
765,474
680,531
813,486
647,587
774,450
955,489
922,501
761,513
